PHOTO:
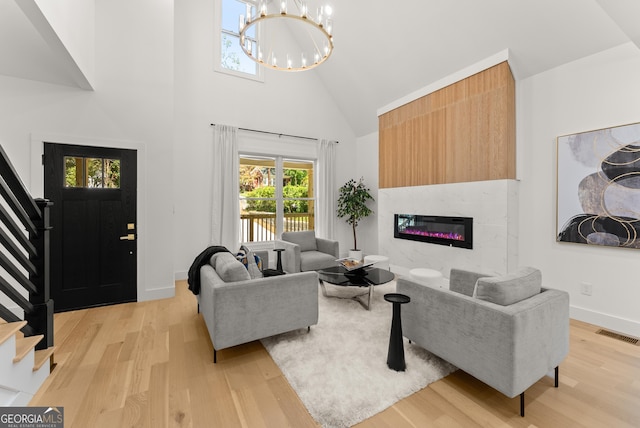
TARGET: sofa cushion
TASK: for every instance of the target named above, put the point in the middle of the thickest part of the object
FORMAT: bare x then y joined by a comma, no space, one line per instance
315,260
229,269
508,289
305,239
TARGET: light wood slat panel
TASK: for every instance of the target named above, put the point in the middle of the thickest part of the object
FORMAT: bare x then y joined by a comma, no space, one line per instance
414,168
463,132
509,117
432,160
389,156
458,157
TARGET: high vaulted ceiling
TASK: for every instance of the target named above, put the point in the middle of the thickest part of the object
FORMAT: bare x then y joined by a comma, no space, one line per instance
385,50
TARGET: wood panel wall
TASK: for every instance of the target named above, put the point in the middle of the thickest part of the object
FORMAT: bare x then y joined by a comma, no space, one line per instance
463,132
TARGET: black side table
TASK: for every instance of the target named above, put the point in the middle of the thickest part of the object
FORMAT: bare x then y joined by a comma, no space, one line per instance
279,263
395,356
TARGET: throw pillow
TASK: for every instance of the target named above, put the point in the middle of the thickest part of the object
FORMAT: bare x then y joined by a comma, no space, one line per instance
251,262
229,269
509,289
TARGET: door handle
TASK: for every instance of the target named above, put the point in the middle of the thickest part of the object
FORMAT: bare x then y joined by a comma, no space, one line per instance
129,237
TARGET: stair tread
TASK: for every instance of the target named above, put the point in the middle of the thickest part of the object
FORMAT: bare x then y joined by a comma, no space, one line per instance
41,356
23,346
9,329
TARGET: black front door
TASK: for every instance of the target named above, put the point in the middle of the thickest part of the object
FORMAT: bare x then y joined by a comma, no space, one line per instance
93,240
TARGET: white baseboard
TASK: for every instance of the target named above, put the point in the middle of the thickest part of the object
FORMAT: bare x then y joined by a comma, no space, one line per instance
619,325
7,396
10,398
181,275
157,294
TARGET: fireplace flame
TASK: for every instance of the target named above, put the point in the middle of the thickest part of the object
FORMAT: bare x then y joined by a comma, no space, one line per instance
442,235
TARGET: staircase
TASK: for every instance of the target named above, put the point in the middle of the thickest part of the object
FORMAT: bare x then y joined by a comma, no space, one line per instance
26,307
22,368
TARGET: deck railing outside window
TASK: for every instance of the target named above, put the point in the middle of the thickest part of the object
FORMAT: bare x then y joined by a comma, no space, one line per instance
256,227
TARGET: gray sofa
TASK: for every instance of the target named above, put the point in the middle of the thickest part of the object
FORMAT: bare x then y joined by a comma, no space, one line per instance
304,252
239,309
506,331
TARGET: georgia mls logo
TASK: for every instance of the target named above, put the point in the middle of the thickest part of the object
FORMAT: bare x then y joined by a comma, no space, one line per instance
31,417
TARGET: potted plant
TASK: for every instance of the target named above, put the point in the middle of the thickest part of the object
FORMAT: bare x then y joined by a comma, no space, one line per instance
352,204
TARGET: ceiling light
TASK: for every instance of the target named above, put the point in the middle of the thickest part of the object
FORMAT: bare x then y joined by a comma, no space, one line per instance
287,29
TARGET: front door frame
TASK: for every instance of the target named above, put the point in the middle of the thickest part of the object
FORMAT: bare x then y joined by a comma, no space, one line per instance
37,189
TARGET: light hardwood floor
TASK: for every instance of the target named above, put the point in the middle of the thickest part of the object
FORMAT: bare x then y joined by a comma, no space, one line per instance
150,364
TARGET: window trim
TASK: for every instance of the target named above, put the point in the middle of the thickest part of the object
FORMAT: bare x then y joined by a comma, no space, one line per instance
217,51
279,179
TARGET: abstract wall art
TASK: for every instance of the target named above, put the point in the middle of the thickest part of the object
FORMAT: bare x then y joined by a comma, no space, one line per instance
599,187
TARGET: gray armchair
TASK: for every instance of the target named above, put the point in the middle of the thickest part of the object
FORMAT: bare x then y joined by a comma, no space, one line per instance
304,252
506,331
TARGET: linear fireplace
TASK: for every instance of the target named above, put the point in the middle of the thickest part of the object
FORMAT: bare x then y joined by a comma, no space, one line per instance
451,231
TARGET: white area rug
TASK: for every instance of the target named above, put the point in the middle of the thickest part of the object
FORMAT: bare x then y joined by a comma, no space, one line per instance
339,370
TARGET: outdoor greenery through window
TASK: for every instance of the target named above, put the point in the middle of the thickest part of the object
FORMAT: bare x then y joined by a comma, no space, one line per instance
95,173
276,195
231,55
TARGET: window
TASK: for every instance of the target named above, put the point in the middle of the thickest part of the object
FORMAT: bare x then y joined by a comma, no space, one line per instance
94,173
231,58
276,195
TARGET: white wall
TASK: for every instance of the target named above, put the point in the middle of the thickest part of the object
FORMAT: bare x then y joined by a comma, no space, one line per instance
290,103
594,92
367,168
132,104
74,23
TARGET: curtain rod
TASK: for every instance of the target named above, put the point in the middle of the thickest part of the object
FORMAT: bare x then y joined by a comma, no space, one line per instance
278,134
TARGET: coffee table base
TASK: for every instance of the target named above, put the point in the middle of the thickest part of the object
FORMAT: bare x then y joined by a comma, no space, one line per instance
358,297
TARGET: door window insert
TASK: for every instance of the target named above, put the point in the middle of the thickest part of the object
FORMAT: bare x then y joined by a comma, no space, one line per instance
91,173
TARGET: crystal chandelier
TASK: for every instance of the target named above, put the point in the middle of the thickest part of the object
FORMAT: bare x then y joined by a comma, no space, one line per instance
286,25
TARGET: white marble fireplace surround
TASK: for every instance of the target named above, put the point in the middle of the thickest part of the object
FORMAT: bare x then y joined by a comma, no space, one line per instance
493,206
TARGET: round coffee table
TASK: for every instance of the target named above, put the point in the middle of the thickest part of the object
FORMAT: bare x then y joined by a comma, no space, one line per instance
366,277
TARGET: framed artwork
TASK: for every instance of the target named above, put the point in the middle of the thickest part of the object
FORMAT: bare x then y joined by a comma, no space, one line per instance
599,187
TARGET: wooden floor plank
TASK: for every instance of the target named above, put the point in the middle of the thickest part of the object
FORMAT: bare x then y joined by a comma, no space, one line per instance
150,364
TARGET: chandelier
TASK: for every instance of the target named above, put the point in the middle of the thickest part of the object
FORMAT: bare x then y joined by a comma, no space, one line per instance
290,37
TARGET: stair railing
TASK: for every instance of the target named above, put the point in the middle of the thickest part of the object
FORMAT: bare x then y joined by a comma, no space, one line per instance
24,254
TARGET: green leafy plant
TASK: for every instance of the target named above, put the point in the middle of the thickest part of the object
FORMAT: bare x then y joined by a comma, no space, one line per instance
352,204
290,193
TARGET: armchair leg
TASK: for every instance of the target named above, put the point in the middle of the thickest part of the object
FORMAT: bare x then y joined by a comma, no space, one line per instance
215,356
557,372
308,328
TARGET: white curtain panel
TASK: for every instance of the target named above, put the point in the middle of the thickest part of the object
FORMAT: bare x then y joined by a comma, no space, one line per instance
326,200
225,213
